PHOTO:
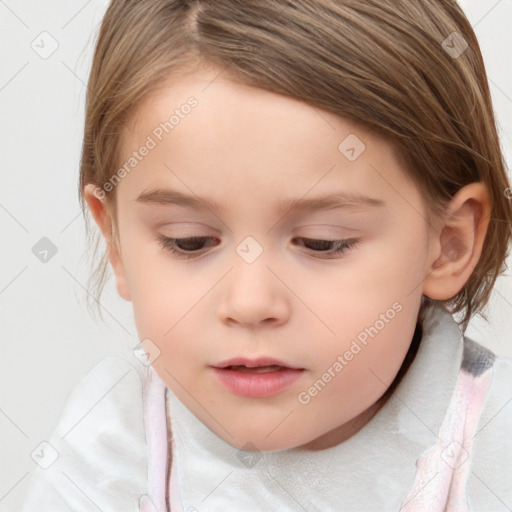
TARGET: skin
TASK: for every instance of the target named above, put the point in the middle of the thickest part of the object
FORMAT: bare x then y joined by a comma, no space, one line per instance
247,149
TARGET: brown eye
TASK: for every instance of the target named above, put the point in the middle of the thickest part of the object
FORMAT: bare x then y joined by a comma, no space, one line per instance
329,247
184,247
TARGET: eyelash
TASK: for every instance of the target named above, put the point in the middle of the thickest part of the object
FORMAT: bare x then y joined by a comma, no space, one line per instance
169,244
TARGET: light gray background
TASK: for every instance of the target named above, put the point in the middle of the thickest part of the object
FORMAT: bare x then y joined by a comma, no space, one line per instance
48,339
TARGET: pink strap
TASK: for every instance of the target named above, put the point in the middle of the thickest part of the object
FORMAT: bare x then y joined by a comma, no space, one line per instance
442,470
155,425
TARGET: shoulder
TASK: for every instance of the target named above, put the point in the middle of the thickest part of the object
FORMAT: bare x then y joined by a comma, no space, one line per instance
96,453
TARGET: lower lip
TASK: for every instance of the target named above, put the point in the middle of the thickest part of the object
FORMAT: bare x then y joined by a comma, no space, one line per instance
258,385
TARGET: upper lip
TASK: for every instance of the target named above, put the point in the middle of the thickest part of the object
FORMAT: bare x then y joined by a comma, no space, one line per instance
253,363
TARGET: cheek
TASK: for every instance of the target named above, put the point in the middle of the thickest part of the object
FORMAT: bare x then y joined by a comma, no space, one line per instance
158,291
167,304
369,283
154,277
371,312
356,371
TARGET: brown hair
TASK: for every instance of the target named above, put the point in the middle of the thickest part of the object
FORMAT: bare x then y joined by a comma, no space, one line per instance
391,65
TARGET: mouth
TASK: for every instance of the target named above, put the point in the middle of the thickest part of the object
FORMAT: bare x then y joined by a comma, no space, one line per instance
258,365
256,378
256,369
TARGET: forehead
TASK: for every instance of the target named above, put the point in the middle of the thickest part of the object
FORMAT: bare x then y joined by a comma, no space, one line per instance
260,140
226,104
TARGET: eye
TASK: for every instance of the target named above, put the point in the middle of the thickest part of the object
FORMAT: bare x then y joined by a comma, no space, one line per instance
191,246
329,247
184,247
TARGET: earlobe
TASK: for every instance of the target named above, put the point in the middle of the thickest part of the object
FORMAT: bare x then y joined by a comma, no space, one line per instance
458,246
101,216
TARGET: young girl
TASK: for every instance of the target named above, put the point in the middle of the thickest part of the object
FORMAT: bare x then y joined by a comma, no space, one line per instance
295,196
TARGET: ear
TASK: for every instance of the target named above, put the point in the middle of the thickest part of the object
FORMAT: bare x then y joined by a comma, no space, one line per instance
456,249
95,199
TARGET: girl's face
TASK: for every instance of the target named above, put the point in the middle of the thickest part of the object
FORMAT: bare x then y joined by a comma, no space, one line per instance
330,288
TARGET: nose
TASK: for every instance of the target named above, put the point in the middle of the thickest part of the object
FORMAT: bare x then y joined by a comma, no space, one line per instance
254,295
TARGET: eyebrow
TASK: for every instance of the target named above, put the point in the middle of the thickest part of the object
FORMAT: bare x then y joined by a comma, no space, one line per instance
325,202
